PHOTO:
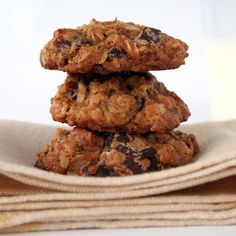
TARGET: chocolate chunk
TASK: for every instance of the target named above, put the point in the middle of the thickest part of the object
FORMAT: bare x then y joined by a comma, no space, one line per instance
109,141
130,154
74,98
104,171
116,53
63,43
129,87
123,138
151,35
66,61
150,154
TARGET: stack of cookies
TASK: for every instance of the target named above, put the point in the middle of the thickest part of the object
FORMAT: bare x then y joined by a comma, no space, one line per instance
123,118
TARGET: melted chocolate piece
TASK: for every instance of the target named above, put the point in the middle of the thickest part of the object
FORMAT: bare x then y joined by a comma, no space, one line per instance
123,138
151,35
63,43
130,154
104,171
116,53
108,142
150,154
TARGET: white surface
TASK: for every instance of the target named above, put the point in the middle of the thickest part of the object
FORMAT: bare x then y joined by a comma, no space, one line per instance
172,231
26,88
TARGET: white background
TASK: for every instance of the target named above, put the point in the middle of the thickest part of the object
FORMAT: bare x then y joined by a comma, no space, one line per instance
206,26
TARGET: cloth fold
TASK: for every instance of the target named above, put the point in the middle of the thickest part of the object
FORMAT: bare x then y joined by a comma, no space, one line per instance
200,193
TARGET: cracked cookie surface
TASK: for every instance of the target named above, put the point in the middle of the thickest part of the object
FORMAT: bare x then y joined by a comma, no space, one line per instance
130,102
112,46
87,153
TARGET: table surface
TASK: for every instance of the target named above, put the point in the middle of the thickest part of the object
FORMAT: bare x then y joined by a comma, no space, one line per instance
198,231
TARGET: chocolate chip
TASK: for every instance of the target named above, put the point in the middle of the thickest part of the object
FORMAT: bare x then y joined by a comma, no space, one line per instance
151,35
66,61
122,147
129,87
130,154
74,98
109,141
104,171
123,138
63,43
116,53
150,154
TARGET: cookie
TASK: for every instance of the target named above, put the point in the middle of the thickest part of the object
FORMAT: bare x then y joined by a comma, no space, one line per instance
129,102
68,146
112,46
87,153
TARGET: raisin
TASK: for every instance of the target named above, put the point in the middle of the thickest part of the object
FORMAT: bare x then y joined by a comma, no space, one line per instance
116,53
63,43
151,35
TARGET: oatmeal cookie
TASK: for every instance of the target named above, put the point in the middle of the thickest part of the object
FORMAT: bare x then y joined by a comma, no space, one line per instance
87,153
129,102
112,46
68,146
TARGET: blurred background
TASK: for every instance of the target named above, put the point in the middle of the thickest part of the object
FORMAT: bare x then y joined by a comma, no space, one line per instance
207,83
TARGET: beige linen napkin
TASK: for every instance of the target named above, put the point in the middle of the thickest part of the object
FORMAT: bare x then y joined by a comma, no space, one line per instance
62,202
209,204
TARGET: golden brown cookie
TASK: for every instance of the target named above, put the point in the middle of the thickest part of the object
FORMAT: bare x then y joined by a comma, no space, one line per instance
112,46
87,153
68,146
130,102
